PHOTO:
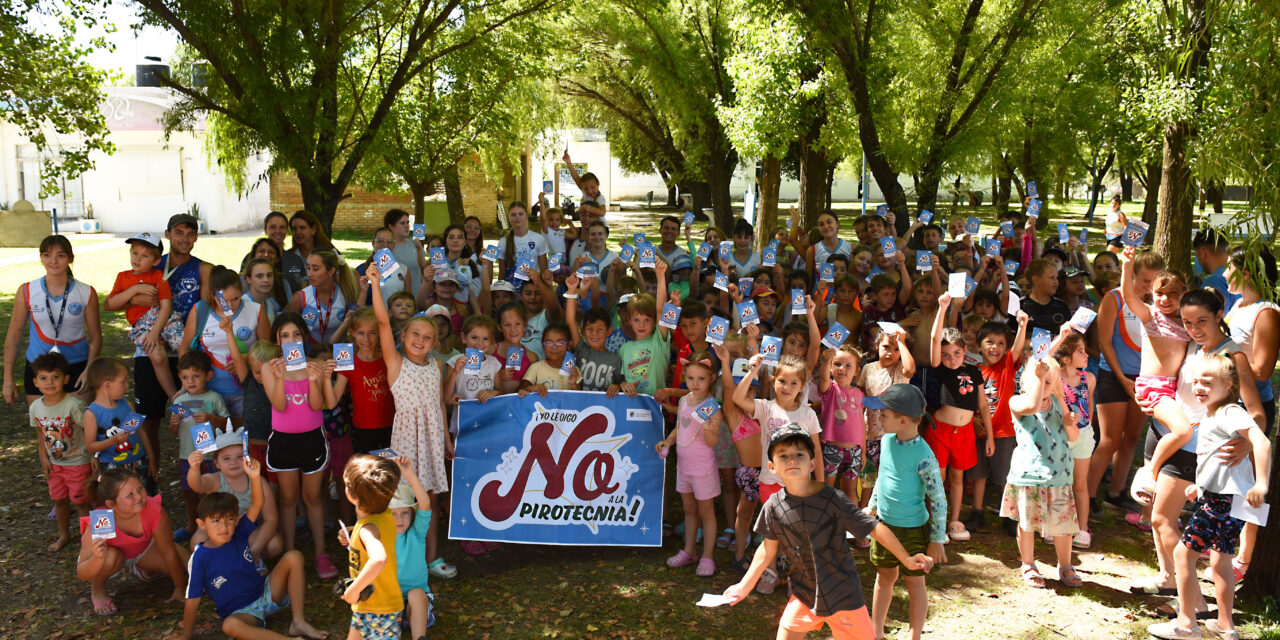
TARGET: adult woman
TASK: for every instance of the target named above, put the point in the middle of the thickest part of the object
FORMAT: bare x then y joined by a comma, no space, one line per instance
291,266
61,315
1202,313
475,235
463,260
323,305
407,249
308,234
1116,222
1120,419
1254,324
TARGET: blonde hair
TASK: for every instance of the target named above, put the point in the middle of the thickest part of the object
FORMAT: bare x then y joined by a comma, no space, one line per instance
643,303
792,362
264,351
1223,368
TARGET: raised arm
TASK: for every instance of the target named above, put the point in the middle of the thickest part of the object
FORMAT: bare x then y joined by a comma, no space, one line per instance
660,271
935,334
385,335
1020,340
904,291
1129,291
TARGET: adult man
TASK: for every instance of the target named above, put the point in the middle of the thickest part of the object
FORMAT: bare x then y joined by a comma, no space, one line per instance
669,229
1213,252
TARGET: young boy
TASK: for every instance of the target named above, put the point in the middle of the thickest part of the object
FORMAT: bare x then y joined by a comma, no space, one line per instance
1046,312
370,482
645,358
411,509
155,329
224,568
195,370
744,259
888,300
909,475
808,521
57,417
601,369
999,374
693,322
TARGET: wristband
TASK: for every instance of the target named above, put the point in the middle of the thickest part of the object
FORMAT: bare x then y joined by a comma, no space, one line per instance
570,296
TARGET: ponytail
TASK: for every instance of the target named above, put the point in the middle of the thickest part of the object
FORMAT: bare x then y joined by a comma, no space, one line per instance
107,484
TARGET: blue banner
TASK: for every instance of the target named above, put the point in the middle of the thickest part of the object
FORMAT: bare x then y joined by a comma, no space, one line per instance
573,468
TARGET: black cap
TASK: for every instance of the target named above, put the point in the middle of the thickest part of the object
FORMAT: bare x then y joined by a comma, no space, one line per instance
182,218
787,433
903,398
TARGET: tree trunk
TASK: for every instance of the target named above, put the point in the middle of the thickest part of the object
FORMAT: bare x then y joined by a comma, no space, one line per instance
1098,176
700,196
831,179
1177,199
320,198
927,179
770,182
1263,580
1151,204
719,175
1001,183
1213,192
418,191
1031,173
453,195
1126,185
813,182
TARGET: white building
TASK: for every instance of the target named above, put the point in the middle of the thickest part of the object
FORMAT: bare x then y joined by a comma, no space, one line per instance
145,181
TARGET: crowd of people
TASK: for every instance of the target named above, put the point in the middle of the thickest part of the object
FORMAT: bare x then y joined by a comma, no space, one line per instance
812,388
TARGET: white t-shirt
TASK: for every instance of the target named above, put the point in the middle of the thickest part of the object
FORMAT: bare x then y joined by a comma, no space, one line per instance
771,418
555,240
1220,427
529,246
1114,228
469,385
580,249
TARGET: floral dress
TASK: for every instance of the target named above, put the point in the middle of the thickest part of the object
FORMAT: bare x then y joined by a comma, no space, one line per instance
418,431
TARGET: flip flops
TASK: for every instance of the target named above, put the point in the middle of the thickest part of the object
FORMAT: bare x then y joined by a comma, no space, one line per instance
104,608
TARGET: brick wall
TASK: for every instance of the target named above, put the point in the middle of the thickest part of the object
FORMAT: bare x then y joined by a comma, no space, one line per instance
363,211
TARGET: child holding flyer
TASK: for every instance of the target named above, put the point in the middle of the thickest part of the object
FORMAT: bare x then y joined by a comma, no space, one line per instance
373,410
558,370
57,417
232,478
194,405
412,522
844,441
698,420
893,365
107,429
645,358
601,369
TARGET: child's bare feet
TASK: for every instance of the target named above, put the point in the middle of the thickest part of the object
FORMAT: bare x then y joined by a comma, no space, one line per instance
303,629
58,544
102,604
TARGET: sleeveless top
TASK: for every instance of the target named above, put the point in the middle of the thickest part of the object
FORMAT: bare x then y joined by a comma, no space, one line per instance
243,499
57,321
184,283
1165,326
386,596
213,341
1191,406
695,458
1241,321
269,306
1077,398
298,416
1125,338
821,253
323,316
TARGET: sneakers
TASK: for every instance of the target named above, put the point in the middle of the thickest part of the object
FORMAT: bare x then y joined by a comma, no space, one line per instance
325,567
957,532
1124,503
1082,540
768,582
1170,631
441,569
976,520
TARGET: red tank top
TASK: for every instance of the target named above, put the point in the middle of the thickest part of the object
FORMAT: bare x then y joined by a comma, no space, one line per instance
371,403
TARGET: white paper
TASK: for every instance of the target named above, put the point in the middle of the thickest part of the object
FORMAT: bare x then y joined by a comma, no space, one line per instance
1015,304
955,285
714,600
891,327
1240,510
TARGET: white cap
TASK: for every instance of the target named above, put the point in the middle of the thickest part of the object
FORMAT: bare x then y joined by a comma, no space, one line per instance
403,498
501,285
437,310
147,238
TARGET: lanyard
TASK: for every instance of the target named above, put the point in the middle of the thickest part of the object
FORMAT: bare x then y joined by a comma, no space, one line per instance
48,306
324,312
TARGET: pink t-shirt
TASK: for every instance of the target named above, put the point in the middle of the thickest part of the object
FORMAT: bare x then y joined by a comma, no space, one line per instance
694,457
842,415
773,417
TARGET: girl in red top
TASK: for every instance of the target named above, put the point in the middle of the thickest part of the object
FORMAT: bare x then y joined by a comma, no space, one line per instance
143,541
373,409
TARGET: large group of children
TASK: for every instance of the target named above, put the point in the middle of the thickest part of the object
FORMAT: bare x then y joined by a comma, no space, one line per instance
855,390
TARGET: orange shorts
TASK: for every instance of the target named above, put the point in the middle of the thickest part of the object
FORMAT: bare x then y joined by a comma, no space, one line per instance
953,445
845,625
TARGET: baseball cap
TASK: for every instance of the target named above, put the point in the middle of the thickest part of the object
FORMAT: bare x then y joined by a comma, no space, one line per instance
681,261
765,292
1071,271
501,285
403,498
625,298
448,275
791,431
437,310
902,398
147,238
740,368
182,218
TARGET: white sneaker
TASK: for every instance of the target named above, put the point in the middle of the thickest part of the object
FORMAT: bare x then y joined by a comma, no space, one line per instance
768,581
1082,540
957,532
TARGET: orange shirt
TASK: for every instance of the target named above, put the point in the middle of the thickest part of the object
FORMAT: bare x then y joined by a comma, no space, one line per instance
128,278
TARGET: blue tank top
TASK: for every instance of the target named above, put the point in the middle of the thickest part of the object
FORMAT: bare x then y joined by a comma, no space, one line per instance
184,283
109,421
1126,339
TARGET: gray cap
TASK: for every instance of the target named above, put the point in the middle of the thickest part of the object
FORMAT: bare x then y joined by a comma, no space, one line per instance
787,432
182,218
902,398
147,238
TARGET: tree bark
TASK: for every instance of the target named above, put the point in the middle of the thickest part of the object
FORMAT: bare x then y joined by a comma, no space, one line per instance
1126,185
673,189
770,182
719,176
813,182
1263,580
453,195
1002,182
1031,173
1213,192
1151,204
1099,174
1177,200
700,194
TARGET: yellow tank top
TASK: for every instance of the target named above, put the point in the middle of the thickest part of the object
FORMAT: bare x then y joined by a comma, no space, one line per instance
386,589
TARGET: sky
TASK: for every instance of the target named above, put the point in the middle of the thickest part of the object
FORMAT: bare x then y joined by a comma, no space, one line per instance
130,46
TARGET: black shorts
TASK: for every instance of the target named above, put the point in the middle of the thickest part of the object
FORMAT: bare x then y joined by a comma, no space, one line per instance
148,395
306,452
1180,465
1115,242
1109,389
366,440
73,374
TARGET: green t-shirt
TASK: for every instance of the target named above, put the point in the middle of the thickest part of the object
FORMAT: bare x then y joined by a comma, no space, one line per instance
208,402
1042,456
645,362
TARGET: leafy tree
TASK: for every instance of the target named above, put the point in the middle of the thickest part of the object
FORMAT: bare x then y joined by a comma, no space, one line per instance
302,78
47,87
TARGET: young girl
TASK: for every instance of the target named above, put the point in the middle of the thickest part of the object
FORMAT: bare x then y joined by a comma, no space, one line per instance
844,437
545,374
265,541
143,542
1217,486
512,319
206,331
114,446
1077,389
264,286
418,431
521,244
1164,345
745,435
459,384
373,410
697,479
323,304
61,315
893,365
297,451
1039,493
962,402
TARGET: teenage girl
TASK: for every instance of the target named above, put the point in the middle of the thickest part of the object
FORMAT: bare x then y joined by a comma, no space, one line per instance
323,304
521,244
264,285
204,331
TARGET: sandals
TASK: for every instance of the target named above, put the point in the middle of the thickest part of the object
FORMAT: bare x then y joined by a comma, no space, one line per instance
1136,520
1067,576
741,565
1171,631
1032,577
1239,568
706,568
1150,587
681,559
441,569
725,540
104,608
957,532
473,548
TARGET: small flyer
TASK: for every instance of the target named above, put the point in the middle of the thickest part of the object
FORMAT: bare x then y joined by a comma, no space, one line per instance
926,216
836,336
1010,267
222,303
722,281
244,443
1032,190
638,238
744,287
924,260
1084,236
670,316
827,272
566,367
888,247
490,253
969,285
385,262
1064,233
771,350
183,412
388,453
555,261
993,247
1033,208
515,357
1015,305
891,328
523,267
1006,228
704,411
438,259
1082,319
955,284
798,306
972,225
589,270
419,232
473,359
1040,339
726,251
1134,233
626,252
295,356
202,438
717,330
882,211
104,524
769,257
688,218
344,356
648,256
704,251
747,313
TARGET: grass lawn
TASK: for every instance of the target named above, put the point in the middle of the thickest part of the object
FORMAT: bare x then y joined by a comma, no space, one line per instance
535,592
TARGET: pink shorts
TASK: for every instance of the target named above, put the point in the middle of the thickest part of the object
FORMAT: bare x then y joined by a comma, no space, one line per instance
67,481
845,625
1152,389
704,487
